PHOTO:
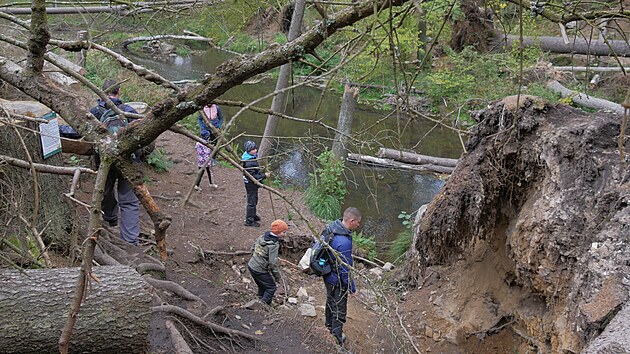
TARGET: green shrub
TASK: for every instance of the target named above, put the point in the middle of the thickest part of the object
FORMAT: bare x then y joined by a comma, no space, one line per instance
366,244
160,161
403,240
327,188
400,245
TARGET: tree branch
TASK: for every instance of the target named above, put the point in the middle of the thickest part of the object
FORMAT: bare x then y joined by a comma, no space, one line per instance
39,37
58,170
233,72
88,255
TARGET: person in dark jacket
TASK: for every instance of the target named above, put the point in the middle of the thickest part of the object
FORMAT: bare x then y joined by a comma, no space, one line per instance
127,202
263,266
339,282
250,164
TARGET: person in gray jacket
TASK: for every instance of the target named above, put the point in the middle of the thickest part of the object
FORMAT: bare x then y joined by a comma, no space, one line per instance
263,266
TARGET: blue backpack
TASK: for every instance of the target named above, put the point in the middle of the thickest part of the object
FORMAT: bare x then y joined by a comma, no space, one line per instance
321,262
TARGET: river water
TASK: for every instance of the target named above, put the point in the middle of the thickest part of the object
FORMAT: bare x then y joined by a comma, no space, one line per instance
381,194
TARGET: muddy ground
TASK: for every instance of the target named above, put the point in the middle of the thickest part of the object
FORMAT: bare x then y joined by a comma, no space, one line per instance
383,317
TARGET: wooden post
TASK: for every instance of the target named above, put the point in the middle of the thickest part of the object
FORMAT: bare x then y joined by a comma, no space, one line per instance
344,125
82,55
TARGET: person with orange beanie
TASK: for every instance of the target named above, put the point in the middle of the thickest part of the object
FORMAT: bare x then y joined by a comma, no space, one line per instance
264,266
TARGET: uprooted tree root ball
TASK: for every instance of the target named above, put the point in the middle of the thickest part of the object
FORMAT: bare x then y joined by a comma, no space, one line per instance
543,189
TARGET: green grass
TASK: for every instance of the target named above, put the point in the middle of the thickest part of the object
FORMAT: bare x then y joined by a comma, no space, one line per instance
400,245
326,207
132,89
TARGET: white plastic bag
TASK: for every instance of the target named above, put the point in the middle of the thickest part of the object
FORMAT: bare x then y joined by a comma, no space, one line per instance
306,259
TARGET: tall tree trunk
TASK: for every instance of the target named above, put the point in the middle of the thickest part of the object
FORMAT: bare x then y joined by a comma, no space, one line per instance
114,317
277,105
344,125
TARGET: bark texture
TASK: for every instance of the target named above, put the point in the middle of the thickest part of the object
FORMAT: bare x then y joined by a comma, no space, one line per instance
114,317
546,181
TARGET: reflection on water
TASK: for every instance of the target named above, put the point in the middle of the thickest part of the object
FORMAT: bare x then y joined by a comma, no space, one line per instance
291,169
381,194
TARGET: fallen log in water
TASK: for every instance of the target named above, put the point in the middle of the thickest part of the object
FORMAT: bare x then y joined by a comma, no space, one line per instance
382,162
416,159
584,100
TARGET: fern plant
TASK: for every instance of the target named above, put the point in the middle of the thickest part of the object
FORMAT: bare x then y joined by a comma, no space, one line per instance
160,161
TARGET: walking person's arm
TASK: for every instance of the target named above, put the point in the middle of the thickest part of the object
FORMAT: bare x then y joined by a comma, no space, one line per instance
344,268
274,266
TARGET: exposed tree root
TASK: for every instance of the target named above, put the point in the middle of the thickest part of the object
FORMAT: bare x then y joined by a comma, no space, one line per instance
212,326
179,343
214,311
146,267
103,258
174,288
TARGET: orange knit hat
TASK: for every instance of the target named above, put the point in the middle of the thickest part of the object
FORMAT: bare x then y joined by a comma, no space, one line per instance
278,226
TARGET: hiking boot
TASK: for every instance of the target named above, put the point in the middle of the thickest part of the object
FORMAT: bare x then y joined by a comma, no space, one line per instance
252,222
256,218
213,186
113,223
198,189
339,342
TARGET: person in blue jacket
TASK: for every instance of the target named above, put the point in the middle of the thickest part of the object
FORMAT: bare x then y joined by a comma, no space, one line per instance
250,164
339,282
124,202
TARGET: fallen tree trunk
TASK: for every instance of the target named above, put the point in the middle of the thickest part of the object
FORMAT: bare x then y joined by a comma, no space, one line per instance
590,68
381,162
584,100
416,159
166,36
121,10
34,305
577,46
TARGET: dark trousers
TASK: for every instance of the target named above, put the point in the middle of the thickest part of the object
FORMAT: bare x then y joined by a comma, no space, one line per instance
200,176
336,309
266,285
252,201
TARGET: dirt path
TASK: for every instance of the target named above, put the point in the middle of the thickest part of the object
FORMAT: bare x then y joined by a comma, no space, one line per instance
213,221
